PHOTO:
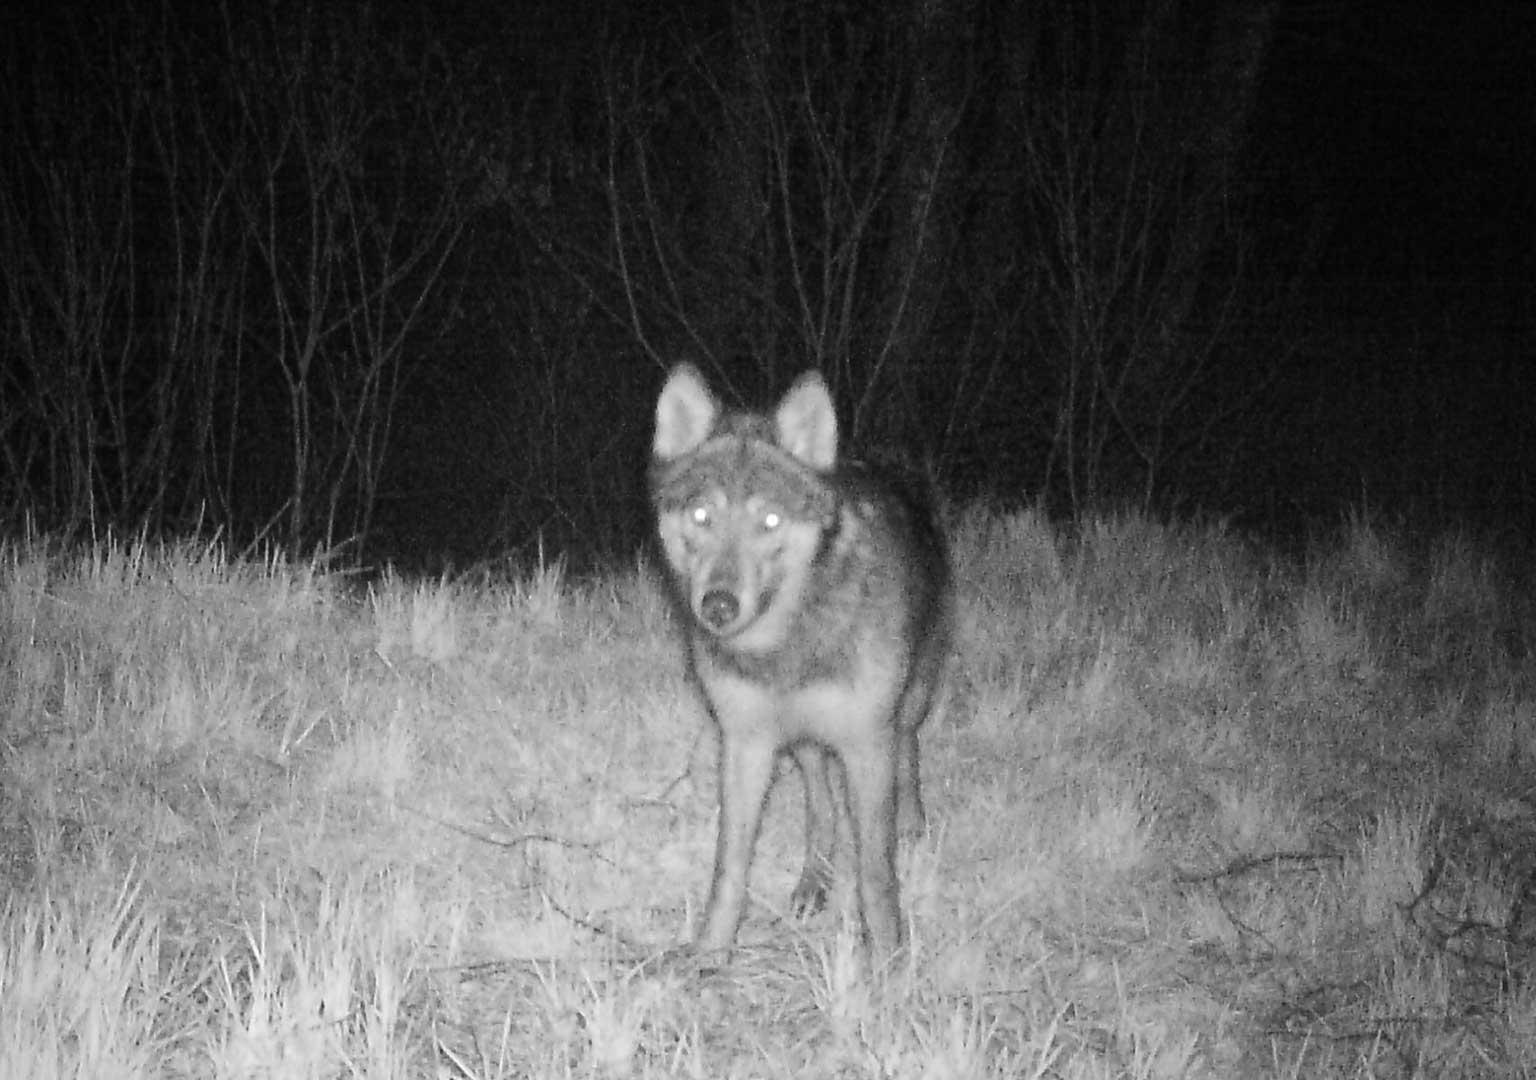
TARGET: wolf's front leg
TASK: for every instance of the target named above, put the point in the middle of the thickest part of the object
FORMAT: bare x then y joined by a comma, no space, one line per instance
746,770
869,765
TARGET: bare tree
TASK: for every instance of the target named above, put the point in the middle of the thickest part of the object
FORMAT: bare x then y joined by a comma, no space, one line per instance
813,231
350,199
826,185
186,211
1127,154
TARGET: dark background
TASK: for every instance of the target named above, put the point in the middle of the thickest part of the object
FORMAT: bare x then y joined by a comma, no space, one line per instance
404,282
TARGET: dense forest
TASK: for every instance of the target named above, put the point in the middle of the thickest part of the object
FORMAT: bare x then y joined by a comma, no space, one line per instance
402,284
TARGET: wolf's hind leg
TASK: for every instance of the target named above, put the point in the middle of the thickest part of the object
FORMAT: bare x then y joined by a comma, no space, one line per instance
822,813
870,767
912,816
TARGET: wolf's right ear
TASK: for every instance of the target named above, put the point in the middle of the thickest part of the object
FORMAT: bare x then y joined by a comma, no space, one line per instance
685,413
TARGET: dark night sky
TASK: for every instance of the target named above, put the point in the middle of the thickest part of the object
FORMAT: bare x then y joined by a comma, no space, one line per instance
1422,119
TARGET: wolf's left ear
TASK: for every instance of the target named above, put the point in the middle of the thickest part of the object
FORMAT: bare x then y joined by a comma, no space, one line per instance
807,422
685,413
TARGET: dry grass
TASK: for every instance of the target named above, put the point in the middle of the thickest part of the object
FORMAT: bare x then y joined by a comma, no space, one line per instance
1198,812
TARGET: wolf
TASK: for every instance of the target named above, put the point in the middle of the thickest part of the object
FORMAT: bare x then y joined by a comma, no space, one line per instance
815,593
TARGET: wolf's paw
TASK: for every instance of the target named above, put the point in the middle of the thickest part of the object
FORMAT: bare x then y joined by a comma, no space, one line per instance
810,894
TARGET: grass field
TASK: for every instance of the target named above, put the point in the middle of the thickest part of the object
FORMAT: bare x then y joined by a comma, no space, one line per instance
1197,810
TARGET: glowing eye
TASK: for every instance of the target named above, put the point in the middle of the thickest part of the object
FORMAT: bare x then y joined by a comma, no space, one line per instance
699,515
772,520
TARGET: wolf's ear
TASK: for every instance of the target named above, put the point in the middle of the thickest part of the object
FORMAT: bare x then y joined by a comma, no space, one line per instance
685,413
807,422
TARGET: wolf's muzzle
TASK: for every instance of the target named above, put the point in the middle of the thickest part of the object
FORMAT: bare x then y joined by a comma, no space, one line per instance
718,609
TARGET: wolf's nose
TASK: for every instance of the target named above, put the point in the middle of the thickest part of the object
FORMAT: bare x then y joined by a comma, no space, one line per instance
719,608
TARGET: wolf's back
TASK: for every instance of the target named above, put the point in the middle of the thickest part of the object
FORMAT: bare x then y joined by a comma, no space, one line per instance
888,560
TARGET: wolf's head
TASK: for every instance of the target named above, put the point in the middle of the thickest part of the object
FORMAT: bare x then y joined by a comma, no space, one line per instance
743,503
